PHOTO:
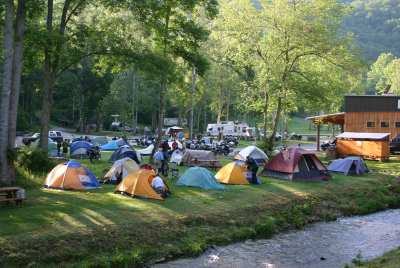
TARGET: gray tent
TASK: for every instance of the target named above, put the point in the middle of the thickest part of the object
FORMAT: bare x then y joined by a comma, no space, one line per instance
200,158
349,166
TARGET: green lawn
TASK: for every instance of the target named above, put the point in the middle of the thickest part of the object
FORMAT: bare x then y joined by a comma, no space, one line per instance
100,228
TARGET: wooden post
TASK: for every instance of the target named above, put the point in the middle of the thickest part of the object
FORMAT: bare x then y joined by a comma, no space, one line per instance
318,136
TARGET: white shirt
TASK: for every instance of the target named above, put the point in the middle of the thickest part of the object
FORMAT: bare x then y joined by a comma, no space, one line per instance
157,182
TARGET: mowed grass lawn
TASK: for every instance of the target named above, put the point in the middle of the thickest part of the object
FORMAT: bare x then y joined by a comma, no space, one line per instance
77,227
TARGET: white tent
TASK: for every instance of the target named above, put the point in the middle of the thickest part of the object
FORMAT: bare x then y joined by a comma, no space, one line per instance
176,157
254,152
146,151
121,168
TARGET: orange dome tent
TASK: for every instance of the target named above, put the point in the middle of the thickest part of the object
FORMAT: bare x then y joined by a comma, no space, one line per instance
72,176
232,173
138,184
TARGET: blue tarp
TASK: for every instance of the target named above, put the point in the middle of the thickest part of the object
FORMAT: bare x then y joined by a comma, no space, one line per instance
349,166
199,177
110,146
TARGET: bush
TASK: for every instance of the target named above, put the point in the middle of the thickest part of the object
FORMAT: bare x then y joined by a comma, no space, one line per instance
35,160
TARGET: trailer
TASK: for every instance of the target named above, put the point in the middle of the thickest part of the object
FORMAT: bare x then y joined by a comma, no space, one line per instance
229,128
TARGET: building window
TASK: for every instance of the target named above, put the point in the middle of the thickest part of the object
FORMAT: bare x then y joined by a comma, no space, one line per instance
384,124
397,124
370,124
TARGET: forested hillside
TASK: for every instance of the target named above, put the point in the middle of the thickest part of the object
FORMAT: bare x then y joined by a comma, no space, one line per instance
376,26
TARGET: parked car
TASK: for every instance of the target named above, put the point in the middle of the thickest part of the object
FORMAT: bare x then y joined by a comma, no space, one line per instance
395,145
56,135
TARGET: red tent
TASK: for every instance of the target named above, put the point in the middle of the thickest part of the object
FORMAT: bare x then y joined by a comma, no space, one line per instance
296,164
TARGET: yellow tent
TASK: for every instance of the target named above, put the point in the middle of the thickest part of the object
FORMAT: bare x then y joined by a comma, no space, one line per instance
137,184
232,173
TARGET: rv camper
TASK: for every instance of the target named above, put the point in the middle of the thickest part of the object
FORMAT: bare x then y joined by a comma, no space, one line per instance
229,128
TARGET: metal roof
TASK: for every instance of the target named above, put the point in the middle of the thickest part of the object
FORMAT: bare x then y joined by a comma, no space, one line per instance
363,136
337,118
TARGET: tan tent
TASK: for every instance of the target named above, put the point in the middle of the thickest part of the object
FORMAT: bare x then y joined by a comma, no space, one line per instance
200,158
232,173
138,184
120,169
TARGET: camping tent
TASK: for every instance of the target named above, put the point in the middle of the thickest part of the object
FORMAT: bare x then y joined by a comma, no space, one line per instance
176,157
349,166
110,146
79,149
254,152
52,148
296,164
199,177
146,151
232,173
123,152
121,142
200,158
100,140
71,175
120,169
138,184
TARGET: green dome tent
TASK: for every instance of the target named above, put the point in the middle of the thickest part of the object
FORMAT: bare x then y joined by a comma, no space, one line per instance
199,177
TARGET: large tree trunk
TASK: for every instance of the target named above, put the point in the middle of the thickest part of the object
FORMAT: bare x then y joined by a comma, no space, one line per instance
6,90
275,123
17,71
265,114
49,77
160,123
16,81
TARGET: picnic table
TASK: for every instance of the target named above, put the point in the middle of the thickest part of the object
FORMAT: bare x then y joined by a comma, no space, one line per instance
8,194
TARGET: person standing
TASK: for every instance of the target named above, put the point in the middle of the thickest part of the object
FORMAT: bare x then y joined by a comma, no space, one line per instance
65,148
58,148
253,168
158,160
165,150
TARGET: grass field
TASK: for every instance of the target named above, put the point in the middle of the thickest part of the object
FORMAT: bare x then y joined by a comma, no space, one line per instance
389,260
101,229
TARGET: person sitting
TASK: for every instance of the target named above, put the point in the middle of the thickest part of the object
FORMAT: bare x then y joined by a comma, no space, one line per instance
159,186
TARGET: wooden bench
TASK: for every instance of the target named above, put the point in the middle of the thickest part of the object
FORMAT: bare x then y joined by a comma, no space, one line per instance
8,194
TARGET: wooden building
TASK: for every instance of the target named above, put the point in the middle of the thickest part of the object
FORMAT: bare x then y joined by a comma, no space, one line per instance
365,114
372,114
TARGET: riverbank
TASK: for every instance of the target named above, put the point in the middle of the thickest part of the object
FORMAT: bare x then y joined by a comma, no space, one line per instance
100,229
388,260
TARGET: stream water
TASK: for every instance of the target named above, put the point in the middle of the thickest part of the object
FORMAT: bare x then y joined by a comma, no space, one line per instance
325,245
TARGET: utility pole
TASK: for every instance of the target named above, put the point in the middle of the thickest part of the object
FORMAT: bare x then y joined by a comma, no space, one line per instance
194,77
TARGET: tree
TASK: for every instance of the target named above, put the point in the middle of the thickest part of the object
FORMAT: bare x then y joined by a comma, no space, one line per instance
12,70
176,35
384,74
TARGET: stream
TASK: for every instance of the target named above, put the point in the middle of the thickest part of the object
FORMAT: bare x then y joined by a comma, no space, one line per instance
325,245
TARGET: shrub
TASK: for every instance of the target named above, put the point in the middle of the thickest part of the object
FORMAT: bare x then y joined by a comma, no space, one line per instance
35,160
